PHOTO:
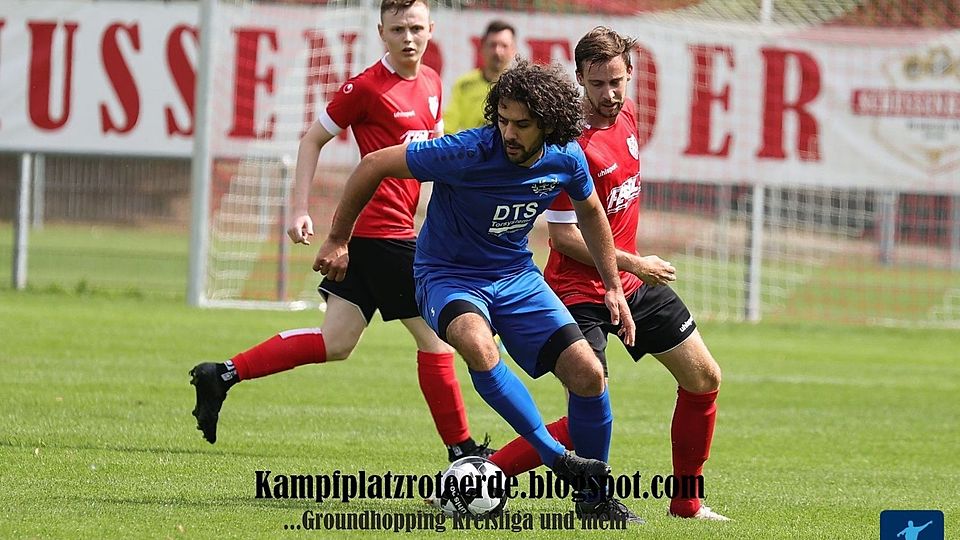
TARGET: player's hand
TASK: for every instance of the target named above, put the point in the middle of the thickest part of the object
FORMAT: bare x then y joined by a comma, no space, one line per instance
301,229
332,260
654,271
620,313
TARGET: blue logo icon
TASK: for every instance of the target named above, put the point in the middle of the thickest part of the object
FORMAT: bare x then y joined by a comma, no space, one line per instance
911,525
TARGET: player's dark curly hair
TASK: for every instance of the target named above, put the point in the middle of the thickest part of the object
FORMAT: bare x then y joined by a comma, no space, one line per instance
547,91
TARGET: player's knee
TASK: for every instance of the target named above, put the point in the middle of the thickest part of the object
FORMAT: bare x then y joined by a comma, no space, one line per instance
479,356
713,378
589,380
339,349
705,380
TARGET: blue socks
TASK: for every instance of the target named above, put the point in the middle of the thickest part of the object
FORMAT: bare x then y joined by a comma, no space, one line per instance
503,391
591,422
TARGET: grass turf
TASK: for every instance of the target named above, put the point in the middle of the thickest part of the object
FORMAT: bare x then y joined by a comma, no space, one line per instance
820,428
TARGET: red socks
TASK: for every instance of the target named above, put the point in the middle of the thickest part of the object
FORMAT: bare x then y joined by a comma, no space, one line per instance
441,390
691,434
283,351
519,456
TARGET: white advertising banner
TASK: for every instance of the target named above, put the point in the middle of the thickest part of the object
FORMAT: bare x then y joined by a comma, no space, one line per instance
723,103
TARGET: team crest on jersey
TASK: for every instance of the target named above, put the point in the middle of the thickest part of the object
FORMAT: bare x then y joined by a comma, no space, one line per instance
633,146
434,103
545,186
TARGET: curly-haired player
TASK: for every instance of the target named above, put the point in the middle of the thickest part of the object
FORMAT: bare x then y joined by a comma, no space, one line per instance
475,275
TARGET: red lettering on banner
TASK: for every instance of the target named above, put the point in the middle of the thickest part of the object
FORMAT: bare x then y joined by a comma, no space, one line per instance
433,57
246,81
776,105
321,75
477,43
645,75
541,50
41,52
703,98
120,77
184,76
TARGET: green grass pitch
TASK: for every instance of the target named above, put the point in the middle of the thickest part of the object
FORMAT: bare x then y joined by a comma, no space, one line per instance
819,430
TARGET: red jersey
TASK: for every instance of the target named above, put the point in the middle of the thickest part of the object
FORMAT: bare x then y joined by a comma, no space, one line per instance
613,154
384,109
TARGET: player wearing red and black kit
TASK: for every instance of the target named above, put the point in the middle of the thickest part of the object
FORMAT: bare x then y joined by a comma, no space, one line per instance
663,321
664,326
384,109
395,100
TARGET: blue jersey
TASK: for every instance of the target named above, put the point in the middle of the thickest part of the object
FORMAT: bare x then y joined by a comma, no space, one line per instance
483,205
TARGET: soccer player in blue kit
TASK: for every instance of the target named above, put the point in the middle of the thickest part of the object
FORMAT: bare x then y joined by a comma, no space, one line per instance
476,277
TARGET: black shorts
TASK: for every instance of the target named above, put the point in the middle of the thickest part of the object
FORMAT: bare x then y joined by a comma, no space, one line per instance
379,276
662,319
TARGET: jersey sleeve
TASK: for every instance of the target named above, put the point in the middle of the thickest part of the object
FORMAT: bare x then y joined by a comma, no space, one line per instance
347,107
441,160
581,184
561,210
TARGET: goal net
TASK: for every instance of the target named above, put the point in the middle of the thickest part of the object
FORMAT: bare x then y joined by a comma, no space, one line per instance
800,159
273,65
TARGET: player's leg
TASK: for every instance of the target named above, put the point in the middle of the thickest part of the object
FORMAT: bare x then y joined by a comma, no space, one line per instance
350,306
694,416
469,332
542,336
334,340
437,376
517,456
389,277
458,309
588,402
666,329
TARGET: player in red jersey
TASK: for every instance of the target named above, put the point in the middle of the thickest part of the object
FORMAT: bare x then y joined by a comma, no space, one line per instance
395,100
665,328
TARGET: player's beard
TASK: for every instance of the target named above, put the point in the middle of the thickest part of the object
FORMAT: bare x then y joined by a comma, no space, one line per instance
600,107
524,153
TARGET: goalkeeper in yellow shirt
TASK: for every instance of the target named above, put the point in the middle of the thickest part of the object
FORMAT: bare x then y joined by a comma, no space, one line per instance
465,105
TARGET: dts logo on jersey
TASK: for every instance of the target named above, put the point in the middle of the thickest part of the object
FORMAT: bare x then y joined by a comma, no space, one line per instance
512,217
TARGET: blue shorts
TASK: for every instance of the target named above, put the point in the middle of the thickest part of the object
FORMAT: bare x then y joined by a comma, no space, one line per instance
533,324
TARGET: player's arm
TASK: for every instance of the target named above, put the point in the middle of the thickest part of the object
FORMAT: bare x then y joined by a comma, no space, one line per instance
599,241
566,238
332,259
300,228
